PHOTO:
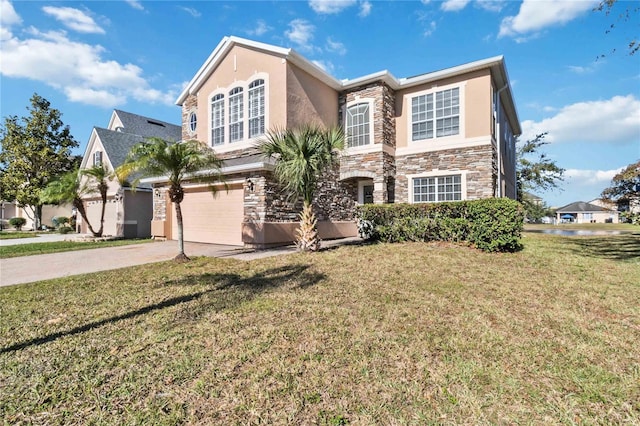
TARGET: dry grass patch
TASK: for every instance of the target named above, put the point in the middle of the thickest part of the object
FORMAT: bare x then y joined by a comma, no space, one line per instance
378,334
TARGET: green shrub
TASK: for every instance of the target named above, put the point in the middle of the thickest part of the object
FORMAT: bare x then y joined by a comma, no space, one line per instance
17,222
60,221
492,224
65,229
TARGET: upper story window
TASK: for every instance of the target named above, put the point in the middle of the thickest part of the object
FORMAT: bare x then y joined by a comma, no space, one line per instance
193,122
435,114
97,158
358,125
256,108
236,114
217,120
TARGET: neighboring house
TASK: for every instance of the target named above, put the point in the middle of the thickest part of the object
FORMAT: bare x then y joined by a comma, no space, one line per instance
442,136
49,211
581,212
128,213
532,198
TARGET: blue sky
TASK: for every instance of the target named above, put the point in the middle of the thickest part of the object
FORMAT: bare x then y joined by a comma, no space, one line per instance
88,57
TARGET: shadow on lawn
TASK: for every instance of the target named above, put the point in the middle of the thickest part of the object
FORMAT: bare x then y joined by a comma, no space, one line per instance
623,247
229,290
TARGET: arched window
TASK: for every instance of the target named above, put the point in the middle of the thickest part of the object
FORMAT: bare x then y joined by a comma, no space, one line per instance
193,122
236,115
358,125
217,120
256,108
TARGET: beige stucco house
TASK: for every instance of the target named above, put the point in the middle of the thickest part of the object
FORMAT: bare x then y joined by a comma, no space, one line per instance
441,136
580,212
128,213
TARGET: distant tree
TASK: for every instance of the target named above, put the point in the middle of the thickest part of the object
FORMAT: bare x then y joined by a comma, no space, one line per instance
625,186
626,15
535,171
179,161
301,156
34,150
72,186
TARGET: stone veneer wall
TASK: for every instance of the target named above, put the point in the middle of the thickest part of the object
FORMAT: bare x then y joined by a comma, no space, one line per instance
384,124
477,161
190,104
160,204
380,164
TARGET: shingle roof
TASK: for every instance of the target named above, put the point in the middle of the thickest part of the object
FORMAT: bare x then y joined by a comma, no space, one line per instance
117,144
148,127
581,206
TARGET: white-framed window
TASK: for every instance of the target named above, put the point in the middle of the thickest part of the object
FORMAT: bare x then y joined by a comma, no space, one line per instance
358,124
431,189
193,122
236,114
97,158
256,108
217,120
435,114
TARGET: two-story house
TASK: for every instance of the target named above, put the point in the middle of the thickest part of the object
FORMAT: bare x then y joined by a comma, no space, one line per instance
128,213
441,136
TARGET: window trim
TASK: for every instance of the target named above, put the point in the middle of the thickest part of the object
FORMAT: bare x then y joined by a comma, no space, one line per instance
192,122
432,91
246,141
98,163
437,174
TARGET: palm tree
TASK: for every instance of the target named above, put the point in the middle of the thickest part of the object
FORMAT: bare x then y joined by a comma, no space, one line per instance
178,161
301,156
70,188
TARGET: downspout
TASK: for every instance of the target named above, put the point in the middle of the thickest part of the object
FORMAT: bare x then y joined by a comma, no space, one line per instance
498,137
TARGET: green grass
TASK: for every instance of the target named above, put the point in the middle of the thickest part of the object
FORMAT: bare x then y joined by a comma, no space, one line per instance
12,235
398,334
60,246
627,227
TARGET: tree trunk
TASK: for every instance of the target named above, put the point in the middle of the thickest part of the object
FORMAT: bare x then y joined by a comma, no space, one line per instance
103,195
181,257
307,234
77,203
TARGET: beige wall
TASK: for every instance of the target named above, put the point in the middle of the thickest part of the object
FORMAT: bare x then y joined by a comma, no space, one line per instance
309,100
97,146
94,208
475,92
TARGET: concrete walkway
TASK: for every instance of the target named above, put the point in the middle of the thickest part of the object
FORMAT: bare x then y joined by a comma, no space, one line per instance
42,238
26,269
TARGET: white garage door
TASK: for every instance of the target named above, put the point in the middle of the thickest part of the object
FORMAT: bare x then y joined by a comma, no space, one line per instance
209,219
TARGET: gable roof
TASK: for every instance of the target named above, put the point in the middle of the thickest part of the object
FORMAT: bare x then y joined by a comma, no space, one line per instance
145,126
580,207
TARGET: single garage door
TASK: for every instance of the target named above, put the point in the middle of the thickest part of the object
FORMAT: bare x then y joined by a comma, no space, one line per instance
211,219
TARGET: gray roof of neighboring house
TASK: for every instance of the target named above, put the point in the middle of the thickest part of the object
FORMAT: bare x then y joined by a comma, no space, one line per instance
580,207
117,146
148,127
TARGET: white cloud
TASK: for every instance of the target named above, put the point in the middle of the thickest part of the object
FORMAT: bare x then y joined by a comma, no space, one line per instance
336,47
135,4
261,28
491,5
590,177
74,19
191,11
330,6
454,5
8,18
430,29
605,121
365,9
77,69
301,33
325,65
535,15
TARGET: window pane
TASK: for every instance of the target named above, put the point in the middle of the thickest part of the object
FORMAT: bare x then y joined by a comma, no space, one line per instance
256,108
358,125
217,120
236,111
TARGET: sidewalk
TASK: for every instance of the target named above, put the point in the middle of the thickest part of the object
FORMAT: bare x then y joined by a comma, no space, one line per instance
26,269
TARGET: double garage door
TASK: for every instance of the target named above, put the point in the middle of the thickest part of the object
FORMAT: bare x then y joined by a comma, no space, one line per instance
212,219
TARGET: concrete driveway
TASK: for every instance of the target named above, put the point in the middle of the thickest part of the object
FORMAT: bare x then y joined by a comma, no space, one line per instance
21,270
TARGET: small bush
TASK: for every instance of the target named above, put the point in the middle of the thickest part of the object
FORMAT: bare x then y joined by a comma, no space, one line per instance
492,224
17,222
60,221
65,229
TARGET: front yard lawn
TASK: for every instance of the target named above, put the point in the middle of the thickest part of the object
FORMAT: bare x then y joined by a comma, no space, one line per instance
376,334
12,235
60,246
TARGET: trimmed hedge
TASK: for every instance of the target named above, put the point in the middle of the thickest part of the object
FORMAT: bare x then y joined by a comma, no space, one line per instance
491,224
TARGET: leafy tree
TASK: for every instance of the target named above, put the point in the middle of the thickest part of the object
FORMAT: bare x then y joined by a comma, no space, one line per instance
534,170
301,156
34,151
72,186
624,16
625,186
178,161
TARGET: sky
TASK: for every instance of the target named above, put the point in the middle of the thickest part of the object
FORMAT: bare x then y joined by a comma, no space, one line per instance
571,72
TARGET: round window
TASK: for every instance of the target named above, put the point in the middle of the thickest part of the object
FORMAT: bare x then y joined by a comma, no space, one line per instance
193,121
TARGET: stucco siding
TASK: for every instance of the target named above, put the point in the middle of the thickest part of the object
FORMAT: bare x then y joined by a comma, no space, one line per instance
309,100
